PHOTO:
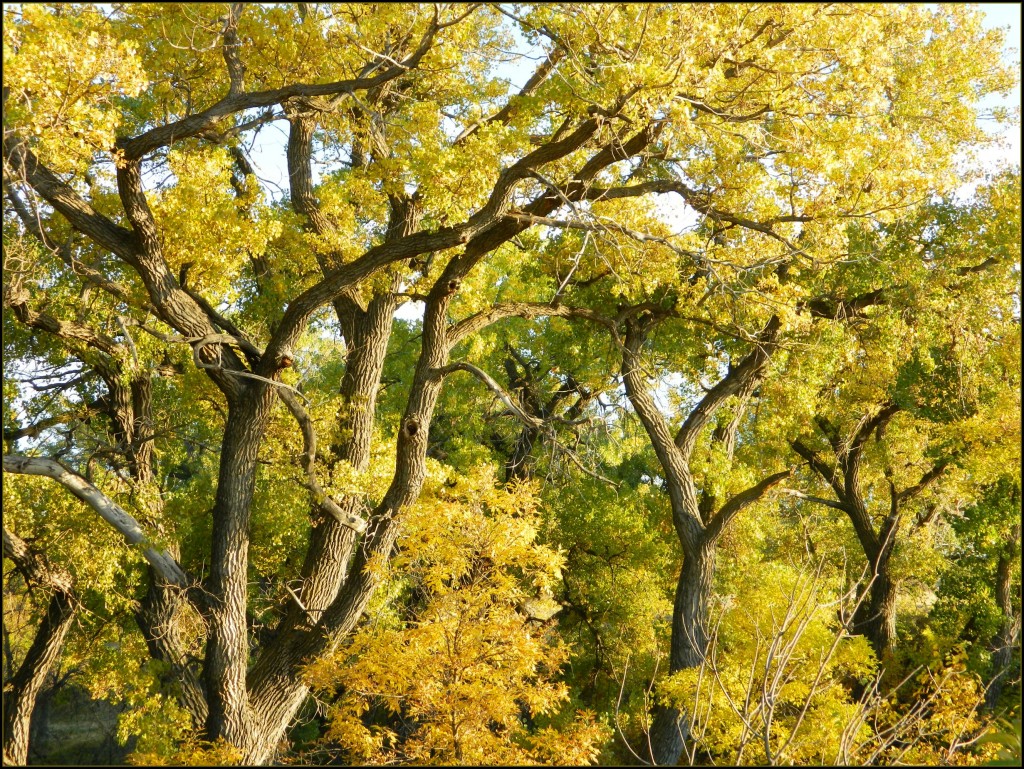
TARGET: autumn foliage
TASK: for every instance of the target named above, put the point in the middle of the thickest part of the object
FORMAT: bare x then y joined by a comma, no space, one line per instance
475,383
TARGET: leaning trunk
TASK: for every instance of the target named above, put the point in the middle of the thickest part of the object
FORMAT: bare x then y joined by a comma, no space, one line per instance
21,693
689,645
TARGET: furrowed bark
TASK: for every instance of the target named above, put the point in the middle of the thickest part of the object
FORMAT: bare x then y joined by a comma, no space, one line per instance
22,691
275,693
158,622
333,534
255,722
129,408
669,727
227,650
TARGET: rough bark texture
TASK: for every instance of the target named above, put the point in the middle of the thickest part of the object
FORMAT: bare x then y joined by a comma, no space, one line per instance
278,692
689,645
227,648
23,689
157,619
875,618
250,706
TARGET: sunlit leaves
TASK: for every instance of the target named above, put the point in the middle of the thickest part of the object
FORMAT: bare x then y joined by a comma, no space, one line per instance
463,660
64,74
206,225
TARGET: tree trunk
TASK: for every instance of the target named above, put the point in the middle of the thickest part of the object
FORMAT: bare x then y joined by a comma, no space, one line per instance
227,649
876,616
1009,633
21,693
277,690
689,645
157,621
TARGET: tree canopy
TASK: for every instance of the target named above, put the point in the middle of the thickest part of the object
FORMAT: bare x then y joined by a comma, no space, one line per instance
602,382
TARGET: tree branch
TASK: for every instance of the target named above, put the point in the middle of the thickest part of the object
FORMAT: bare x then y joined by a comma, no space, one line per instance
478,227
751,367
479,321
820,467
505,113
809,498
745,498
927,479
62,329
139,146
236,69
110,511
63,252
67,202
494,387
868,426
308,459
32,565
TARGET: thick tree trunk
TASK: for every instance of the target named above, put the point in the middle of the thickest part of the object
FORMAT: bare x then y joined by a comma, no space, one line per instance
157,620
131,413
698,529
276,688
689,646
227,649
21,693
876,617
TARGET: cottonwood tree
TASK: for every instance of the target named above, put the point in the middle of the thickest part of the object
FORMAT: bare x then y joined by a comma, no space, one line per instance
919,412
979,597
412,171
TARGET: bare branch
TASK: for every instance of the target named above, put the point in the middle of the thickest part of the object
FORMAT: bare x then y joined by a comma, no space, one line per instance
308,458
109,510
494,387
810,498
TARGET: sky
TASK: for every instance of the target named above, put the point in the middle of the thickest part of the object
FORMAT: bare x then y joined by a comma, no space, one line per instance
268,155
1006,15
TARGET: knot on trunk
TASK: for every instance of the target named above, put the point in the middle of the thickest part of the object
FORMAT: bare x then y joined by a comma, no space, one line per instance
412,427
